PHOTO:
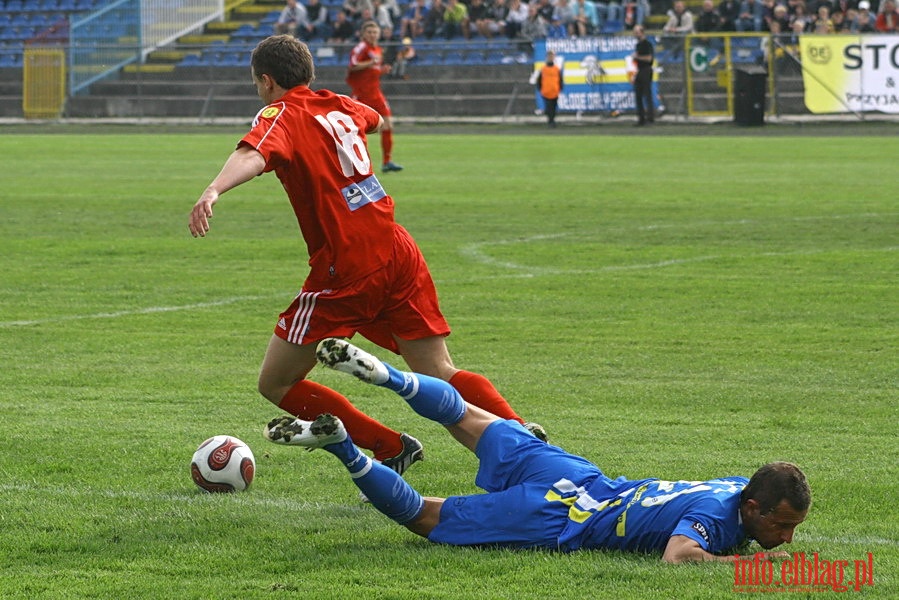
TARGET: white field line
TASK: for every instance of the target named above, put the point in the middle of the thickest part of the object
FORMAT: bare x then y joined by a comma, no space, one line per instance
127,313
476,253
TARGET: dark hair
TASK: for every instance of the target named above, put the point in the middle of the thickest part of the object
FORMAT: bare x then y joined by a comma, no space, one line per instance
775,482
285,59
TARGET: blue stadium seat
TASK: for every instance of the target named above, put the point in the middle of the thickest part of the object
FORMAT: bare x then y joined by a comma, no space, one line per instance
10,60
453,58
13,5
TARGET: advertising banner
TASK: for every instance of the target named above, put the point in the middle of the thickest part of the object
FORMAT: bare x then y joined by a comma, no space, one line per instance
596,72
850,73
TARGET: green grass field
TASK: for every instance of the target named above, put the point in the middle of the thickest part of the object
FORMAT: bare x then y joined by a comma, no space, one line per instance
675,307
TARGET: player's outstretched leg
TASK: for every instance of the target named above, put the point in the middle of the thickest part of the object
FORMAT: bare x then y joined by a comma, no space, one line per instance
383,486
328,429
428,396
324,430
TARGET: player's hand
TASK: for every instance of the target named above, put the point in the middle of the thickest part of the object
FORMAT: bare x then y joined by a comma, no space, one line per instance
201,213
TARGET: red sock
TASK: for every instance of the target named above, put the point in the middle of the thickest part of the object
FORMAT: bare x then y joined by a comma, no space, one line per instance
386,145
308,399
477,389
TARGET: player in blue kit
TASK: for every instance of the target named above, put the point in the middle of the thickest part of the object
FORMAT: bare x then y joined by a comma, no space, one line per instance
541,496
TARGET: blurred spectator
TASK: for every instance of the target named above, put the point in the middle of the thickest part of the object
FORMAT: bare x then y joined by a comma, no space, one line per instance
680,20
394,8
413,21
544,9
354,10
518,14
316,25
434,23
823,23
563,18
586,19
843,6
496,21
292,16
680,23
635,12
534,28
839,22
751,16
381,15
478,12
888,19
708,20
781,17
729,11
455,19
404,55
342,29
800,15
864,20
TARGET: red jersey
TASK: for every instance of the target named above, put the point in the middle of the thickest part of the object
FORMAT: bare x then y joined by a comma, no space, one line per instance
365,82
315,143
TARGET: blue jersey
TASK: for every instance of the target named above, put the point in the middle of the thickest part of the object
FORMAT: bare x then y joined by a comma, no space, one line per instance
642,515
542,496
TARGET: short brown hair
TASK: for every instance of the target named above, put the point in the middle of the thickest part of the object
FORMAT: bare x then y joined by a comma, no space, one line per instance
285,59
776,482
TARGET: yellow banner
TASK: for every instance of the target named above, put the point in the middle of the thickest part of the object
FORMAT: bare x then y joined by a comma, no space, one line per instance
850,73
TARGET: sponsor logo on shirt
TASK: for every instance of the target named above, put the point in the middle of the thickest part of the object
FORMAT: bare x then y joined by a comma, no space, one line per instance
270,112
365,192
700,529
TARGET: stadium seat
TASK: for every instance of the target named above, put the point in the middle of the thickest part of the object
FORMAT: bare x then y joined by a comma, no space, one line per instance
453,58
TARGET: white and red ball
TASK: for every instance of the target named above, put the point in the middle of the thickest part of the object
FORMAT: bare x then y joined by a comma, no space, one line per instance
223,464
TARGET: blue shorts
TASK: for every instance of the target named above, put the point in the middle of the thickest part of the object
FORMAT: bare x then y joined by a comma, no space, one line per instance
518,470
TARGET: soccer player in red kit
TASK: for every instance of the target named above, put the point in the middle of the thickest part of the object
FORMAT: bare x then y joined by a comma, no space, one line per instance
367,275
364,78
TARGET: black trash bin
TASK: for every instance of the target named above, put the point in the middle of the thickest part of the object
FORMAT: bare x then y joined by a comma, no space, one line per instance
749,95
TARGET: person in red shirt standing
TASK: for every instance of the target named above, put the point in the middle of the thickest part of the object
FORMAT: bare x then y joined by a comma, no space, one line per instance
364,78
367,275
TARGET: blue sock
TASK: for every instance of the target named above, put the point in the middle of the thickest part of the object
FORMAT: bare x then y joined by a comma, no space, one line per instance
384,488
430,397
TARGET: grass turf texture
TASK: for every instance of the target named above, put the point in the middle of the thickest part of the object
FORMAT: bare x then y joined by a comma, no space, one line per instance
674,307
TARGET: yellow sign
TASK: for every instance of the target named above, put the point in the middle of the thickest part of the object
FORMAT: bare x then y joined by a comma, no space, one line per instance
850,73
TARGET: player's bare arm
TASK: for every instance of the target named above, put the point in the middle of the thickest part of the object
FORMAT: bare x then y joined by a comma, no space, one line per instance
682,549
377,127
244,164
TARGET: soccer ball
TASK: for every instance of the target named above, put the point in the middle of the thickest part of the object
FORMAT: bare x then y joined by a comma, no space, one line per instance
223,464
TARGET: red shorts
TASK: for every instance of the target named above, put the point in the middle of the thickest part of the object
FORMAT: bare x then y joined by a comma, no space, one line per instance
376,100
399,299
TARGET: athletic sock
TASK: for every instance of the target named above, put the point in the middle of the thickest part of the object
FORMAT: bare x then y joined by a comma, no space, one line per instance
308,399
428,396
385,489
479,391
386,145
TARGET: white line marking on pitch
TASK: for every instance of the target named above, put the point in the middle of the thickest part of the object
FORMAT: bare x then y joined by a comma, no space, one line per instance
127,313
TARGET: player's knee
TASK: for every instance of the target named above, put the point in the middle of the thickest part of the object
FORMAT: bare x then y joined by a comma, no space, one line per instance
269,390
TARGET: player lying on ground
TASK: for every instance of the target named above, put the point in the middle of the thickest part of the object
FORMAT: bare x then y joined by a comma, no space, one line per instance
541,496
